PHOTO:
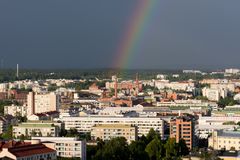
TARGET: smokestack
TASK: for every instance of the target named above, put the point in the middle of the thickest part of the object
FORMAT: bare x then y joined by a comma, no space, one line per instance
116,87
17,70
137,84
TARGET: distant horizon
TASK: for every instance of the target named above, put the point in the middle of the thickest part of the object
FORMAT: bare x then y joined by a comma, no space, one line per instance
122,69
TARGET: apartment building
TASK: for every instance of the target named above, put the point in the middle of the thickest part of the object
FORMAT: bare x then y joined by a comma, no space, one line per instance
41,103
206,125
183,128
185,86
144,124
15,110
217,120
3,124
65,146
26,151
226,86
225,139
37,128
108,131
232,71
183,103
214,94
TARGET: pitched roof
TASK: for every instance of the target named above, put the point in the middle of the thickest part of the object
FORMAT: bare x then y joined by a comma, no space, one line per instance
23,149
28,150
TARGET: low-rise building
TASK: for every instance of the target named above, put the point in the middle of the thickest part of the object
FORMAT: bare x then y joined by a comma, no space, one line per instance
26,151
108,131
65,146
15,110
225,139
5,122
37,128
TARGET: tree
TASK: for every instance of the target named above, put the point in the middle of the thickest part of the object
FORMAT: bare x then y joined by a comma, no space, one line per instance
155,149
182,148
151,135
238,123
137,150
227,101
8,134
115,149
72,132
171,149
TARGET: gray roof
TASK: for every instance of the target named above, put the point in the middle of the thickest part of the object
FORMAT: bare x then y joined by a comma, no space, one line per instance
229,134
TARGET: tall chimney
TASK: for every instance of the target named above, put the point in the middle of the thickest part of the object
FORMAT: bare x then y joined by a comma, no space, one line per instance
116,87
137,84
17,70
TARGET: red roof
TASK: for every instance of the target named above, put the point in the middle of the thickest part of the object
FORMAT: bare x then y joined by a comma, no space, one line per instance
23,149
28,150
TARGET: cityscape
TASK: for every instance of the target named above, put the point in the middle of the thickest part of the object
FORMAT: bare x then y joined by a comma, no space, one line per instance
119,80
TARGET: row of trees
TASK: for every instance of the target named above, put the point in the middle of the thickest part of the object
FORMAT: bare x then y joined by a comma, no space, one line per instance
227,101
149,147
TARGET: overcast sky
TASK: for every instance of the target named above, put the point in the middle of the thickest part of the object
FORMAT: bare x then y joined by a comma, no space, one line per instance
181,34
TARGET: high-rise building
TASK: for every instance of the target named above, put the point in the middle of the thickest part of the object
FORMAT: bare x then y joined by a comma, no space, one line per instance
41,103
183,128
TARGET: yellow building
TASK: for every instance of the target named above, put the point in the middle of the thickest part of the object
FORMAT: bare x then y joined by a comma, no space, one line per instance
108,131
224,139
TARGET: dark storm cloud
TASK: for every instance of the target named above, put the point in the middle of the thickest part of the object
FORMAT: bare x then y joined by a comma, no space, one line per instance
85,34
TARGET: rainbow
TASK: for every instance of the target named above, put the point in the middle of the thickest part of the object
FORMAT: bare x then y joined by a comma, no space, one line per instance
133,34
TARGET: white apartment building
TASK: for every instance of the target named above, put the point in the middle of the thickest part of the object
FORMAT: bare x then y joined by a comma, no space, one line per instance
41,103
224,86
108,131
203,131
186,103
15,110
38,128
65,146
144,124
225,139
232,71
207,125
113,111
185,86
3,87
214,94
161,76
212,121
